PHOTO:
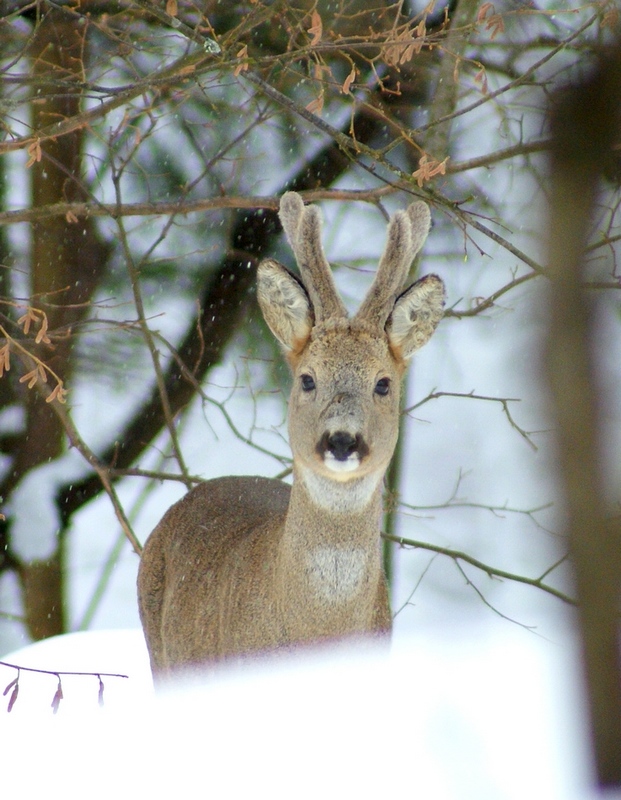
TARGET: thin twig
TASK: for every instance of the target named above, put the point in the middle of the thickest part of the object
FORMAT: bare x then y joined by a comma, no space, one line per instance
493,572
522,79
504,402
177,71
57,672
486,602
102,471
220,406
160,208
134,275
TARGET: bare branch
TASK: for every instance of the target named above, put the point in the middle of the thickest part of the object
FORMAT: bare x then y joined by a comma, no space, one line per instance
176,72
13,686
493,572
102,471
486,602
504,402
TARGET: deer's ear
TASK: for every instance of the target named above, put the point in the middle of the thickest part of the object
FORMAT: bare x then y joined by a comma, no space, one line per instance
285,305
415,316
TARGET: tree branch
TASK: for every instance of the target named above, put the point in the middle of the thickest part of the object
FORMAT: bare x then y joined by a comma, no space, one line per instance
493,572
222,307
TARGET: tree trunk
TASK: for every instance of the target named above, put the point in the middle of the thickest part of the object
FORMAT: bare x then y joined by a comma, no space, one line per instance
66,263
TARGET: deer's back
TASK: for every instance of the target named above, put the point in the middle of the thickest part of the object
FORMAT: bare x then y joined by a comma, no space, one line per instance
216,510
205,567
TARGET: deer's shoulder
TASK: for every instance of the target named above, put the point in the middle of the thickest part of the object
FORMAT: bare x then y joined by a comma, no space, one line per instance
239,500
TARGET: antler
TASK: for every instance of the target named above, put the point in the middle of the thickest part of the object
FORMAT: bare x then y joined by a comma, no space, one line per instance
407,232
303,228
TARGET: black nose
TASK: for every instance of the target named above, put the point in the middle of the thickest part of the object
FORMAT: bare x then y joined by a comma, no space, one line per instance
342,444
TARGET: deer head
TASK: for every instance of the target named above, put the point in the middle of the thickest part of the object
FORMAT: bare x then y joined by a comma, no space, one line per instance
344,404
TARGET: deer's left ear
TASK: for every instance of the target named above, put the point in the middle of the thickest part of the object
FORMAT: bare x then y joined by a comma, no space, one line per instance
415,316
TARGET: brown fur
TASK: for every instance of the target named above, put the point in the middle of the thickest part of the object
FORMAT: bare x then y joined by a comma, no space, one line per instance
243,565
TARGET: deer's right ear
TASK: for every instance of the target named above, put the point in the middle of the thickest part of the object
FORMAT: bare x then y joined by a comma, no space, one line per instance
285,305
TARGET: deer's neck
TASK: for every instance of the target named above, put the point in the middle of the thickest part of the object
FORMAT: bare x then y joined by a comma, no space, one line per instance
323,507
331,536
338,498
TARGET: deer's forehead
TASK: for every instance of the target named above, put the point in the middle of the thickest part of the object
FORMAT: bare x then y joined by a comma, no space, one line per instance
342,350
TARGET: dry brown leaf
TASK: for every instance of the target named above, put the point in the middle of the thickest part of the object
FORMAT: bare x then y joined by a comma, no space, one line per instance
31,377
243,65
57,393
27,319
5,359
428,168
481,78
611,18
316,28
482,12
402,47
34,151
15,686
496,25
316,106
345,88
42,334
57,697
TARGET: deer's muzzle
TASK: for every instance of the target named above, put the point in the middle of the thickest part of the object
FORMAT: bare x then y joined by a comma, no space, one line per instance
342,446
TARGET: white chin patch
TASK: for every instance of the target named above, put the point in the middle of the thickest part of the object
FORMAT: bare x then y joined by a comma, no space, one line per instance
350,464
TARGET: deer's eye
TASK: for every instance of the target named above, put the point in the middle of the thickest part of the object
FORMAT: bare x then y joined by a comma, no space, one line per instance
382,387
308,384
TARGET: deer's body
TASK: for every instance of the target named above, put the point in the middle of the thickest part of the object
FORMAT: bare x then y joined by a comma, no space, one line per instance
259,587
243,565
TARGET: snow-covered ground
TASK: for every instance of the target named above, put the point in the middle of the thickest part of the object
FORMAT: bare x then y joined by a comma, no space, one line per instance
473,716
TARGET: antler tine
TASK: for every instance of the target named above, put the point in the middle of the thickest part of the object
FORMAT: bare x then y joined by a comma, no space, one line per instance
420,223
290,213
407,232
302,224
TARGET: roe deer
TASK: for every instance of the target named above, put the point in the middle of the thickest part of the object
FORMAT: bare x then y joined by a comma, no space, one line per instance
242,565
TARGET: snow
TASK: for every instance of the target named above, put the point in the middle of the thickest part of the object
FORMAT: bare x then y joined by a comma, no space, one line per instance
472,715
33,506
120,652
12,418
